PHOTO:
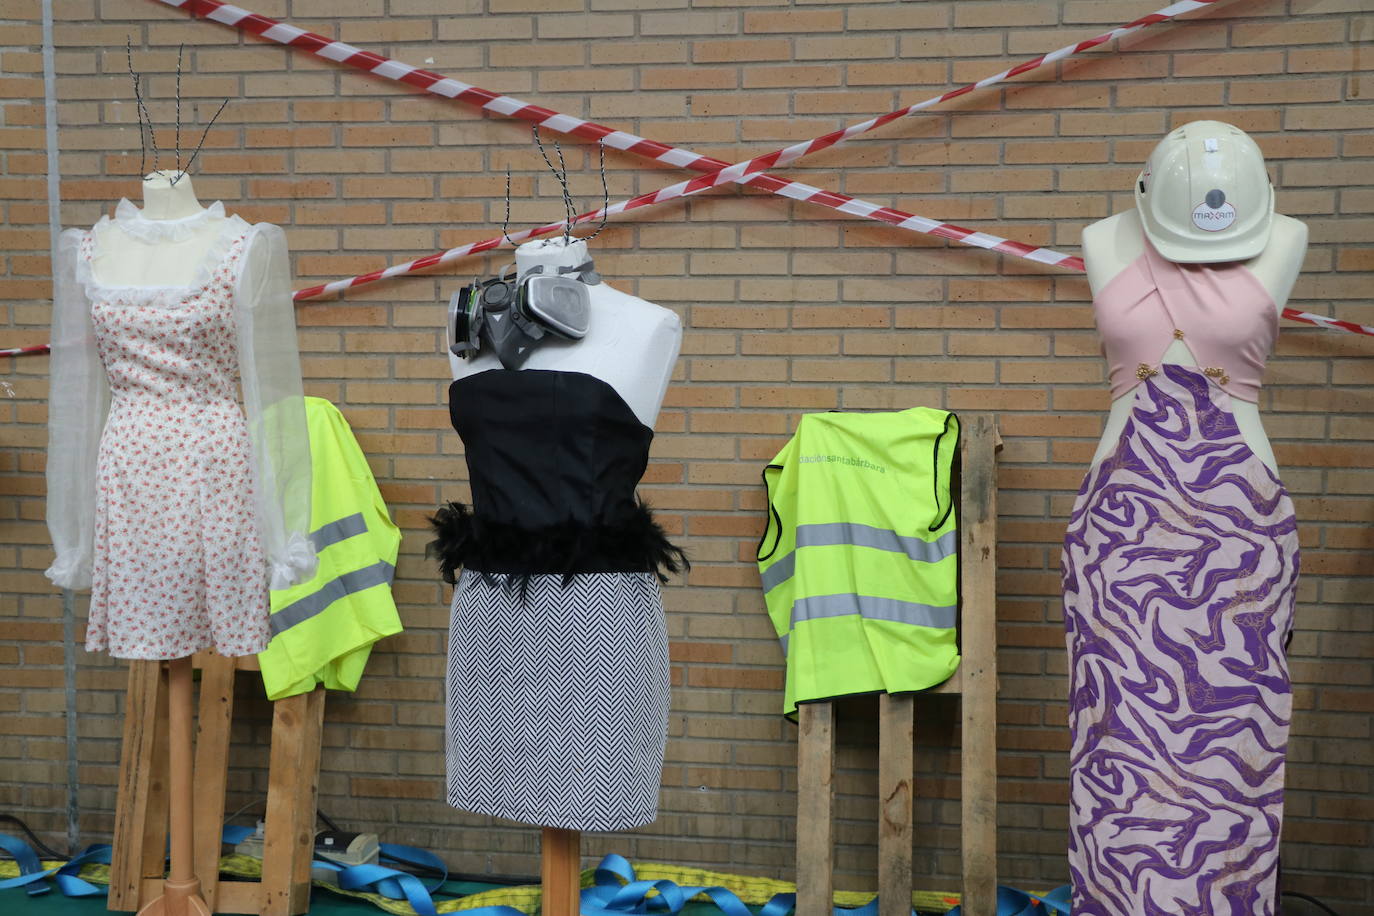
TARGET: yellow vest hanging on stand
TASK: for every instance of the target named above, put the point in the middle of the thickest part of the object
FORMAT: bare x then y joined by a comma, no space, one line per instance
858,559
323,630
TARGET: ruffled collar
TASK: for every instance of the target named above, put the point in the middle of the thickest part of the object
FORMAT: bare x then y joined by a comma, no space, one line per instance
131,220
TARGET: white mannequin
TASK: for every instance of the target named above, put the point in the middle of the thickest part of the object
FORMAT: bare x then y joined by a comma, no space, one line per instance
122,261
1112,244
631,344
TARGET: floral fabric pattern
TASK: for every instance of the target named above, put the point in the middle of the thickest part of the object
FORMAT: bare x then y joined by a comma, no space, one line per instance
178,564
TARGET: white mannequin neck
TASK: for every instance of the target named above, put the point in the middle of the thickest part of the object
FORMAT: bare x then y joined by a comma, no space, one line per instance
121,259
550,254
164,200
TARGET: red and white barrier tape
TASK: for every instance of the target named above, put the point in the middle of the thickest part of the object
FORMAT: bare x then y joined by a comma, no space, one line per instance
1292,314
749,172
1331,324
25,351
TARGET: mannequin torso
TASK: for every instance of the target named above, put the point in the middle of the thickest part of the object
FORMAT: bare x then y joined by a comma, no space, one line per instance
124,261
566,557
1112,244
631,344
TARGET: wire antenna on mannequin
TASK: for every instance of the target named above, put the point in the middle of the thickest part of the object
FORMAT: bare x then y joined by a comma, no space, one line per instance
180,48
205,133
561,173
605,193
141,111
505,223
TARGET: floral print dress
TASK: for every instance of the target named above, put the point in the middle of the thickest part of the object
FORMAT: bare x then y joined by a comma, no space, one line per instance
178,564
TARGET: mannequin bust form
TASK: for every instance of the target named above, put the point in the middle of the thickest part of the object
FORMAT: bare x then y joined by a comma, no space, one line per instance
122,261
1181,552
630,344
1112,244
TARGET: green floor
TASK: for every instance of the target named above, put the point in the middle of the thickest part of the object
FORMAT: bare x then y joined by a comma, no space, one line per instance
17,903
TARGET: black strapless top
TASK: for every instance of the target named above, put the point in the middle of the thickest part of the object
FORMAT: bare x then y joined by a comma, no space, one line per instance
553,458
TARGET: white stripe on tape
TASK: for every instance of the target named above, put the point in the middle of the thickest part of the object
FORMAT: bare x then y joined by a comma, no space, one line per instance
679,157
504,104
393,69
618,139
283,33
448,87
228,14
562,122
337,50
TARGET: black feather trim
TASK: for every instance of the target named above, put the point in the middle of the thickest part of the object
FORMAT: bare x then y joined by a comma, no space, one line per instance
466,541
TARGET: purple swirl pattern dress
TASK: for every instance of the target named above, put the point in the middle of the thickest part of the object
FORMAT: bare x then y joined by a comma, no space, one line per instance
1180,567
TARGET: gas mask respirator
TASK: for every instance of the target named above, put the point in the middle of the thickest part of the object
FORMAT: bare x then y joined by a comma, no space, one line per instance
511,317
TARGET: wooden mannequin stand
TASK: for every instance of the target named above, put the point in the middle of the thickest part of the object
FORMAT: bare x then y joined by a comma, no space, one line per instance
181,890
976,683
159,775
560,851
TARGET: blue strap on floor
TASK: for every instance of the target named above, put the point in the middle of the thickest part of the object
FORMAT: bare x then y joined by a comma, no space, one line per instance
610,897
391,882
1011,902
32,874
617,892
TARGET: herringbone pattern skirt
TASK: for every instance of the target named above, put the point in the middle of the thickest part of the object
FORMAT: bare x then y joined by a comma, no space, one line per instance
557,699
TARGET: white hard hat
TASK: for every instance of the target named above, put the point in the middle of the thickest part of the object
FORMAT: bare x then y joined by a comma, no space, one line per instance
1204,195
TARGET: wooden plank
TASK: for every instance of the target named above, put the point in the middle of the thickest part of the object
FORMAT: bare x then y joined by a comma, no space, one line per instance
213,722
292,776
234,896
561,863
815,797
955,683
307,797
240,897
978,633
140,808
896,764
241,662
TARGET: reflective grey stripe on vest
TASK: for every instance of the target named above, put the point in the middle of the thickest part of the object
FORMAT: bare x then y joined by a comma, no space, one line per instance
341,530
378,573
871,608
833,534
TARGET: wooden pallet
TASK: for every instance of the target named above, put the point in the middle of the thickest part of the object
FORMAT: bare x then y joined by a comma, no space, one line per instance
140,834
976,684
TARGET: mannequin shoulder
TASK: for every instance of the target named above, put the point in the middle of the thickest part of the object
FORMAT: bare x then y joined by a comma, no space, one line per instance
622,319
1110,245
261,236
624,307
1278,265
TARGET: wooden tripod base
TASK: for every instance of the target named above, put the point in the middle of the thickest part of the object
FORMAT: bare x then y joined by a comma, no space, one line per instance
148,779
179,898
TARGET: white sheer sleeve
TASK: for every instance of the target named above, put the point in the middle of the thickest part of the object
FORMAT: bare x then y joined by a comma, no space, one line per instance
270,369
78,400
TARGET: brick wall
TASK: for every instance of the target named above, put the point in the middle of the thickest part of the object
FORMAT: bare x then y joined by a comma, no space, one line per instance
788,308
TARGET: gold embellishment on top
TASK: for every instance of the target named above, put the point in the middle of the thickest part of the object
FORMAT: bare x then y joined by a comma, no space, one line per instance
1218,373
1144,371
1178,335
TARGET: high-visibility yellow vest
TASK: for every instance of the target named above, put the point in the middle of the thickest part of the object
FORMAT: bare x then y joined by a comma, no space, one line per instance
323,630
858,559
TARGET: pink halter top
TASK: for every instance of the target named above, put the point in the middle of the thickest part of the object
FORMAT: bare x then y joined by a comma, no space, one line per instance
1221,312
